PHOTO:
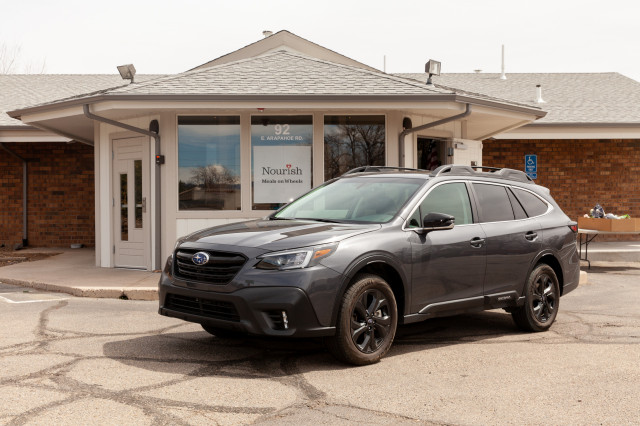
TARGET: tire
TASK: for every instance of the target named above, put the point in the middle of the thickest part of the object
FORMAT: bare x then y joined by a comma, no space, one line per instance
367,322
542,300
221,332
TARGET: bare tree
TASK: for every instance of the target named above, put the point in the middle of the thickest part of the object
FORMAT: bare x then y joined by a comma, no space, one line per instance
8,58
10,62
353,145
213,174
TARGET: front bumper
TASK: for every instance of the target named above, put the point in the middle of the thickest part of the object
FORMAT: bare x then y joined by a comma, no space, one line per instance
252,310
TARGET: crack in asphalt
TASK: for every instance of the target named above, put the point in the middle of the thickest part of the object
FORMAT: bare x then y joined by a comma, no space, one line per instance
280,366
267,364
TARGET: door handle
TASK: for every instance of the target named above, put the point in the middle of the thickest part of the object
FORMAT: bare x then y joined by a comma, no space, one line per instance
477,242
144,204
531,235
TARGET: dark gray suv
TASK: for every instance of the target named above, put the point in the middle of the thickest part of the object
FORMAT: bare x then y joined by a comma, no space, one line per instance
378,247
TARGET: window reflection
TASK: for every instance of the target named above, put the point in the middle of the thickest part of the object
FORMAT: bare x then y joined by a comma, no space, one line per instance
209,163
353,141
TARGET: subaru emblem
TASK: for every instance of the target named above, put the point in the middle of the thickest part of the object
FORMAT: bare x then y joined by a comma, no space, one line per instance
200,258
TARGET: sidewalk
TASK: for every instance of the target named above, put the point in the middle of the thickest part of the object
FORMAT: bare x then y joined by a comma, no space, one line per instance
73,271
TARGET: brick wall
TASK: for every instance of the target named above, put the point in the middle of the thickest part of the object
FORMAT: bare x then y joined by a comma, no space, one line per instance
60,194
579,173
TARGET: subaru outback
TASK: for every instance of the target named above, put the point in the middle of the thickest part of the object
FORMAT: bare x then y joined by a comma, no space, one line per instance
378,247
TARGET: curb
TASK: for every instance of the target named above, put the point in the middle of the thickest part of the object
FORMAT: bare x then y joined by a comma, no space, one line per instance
130,293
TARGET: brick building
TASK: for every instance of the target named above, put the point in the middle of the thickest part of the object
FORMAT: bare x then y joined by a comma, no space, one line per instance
588,144
93,178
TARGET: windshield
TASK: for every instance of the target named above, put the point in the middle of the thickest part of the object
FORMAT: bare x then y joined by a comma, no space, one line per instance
363,199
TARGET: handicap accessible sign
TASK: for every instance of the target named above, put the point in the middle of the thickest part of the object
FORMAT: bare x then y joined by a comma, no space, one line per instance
531,165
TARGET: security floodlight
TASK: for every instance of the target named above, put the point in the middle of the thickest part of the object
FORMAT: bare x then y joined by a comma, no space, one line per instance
432,68
127,71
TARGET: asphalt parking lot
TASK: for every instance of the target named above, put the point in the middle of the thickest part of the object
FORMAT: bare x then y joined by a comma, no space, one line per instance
68,360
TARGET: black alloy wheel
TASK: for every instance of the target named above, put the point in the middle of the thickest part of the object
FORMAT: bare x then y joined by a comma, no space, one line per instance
367,321
370,321
542,298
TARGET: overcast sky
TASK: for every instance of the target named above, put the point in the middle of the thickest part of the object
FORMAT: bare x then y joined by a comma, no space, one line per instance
160,36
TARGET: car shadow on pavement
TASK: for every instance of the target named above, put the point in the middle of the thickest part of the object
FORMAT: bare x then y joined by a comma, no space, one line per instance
272,357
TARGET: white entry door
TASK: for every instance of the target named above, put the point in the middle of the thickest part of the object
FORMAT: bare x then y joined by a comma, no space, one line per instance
131,227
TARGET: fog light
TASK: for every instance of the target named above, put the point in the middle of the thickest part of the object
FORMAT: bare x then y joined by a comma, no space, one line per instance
285,320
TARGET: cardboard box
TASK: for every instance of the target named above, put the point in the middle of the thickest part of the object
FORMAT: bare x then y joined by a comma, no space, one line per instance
610,225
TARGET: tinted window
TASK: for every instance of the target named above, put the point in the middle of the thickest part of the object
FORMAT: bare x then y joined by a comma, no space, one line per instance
451,198
533,205
518,211
494,203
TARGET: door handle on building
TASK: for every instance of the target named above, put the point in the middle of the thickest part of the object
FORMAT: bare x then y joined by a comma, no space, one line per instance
144,204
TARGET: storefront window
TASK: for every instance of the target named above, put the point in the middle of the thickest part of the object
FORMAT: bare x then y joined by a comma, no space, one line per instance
352,141
209,163
281,159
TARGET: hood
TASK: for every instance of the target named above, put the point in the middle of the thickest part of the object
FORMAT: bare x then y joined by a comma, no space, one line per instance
274,235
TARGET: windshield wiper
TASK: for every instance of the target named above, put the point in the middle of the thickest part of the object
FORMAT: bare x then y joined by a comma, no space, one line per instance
319,219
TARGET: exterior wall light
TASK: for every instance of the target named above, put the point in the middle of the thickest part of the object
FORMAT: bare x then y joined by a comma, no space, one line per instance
127,71
432,68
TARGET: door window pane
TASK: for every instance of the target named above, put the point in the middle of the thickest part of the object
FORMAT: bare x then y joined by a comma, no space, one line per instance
281,159
209,163
124,208
137,167
352,141
451,199
494,203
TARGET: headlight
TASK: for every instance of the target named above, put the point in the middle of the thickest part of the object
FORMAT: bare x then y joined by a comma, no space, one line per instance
294,259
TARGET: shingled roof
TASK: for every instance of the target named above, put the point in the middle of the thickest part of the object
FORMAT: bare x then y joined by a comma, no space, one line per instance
284,74
23,90
570,98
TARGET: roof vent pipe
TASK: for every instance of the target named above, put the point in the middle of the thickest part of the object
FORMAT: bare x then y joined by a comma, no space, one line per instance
503,76
539,99
267,33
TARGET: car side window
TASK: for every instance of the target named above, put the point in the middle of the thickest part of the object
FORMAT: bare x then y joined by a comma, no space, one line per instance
449,198
518,211
494,203
533,205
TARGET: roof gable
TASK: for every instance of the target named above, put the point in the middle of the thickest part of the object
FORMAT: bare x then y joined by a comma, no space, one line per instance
284,40
281,72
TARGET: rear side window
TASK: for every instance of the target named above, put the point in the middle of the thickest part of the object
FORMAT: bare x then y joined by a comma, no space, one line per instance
494,203
449,198
518,211
533,205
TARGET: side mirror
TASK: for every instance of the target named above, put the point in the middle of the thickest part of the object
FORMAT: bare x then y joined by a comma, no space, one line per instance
437,221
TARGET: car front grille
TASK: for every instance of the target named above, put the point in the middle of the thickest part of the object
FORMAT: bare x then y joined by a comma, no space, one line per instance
203,307
220,269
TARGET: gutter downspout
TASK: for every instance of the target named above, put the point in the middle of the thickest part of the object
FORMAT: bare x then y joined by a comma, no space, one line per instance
156,137
24,193
426,126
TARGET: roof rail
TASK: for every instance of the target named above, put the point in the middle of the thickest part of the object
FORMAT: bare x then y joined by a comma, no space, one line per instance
495,172
375,169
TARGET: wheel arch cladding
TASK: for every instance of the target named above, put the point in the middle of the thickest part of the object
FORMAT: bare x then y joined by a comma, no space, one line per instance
387,273
557,269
